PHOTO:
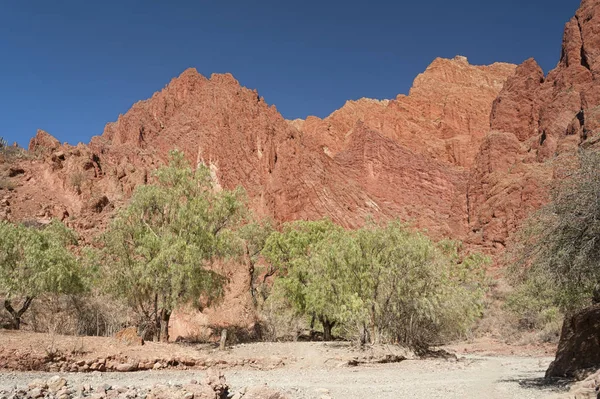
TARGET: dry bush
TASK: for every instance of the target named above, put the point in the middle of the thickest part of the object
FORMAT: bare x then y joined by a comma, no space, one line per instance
76,179
7,184
74,315
279,322
10,153
512,318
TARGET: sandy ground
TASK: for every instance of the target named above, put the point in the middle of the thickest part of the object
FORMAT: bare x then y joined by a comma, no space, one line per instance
471,377
485,368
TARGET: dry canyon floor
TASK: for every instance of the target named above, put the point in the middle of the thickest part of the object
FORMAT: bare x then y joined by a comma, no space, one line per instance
484,369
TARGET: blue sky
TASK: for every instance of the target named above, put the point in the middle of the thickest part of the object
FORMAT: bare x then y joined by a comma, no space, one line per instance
69,67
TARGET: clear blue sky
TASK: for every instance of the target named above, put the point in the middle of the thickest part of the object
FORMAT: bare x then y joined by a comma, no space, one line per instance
69,67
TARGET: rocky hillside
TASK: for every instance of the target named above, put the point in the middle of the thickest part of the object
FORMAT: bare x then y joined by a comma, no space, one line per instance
404,158
537,122
466,154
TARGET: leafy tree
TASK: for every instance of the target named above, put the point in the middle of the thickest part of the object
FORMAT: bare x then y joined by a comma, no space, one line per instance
557,250
382,283
307,276
413,291
157,251
34,261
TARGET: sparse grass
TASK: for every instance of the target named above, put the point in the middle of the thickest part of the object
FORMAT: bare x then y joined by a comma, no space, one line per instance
76,179
7,184
10,153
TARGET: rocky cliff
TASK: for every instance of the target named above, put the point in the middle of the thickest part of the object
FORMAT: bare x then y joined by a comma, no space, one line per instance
445,115
537,123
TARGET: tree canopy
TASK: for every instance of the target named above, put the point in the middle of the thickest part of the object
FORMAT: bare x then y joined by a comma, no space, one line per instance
379,282
158,250
36,260
557,251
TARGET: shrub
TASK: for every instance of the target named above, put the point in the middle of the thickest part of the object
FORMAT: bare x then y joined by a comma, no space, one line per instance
7,184
36,261
9,152
379,283
556,256
76,179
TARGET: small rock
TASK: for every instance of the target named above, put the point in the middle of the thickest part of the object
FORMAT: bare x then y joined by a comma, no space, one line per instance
36,393
125,367
56,384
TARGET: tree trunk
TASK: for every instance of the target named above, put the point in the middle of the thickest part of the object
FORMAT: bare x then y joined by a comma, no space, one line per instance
165,315
223,343
17,314
312,326
327,327
364,336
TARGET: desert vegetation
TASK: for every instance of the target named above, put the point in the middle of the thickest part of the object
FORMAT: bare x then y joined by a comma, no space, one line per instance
555,255
379,283
36,260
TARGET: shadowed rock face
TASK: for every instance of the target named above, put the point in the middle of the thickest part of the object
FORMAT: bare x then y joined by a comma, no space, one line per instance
579,348
468,154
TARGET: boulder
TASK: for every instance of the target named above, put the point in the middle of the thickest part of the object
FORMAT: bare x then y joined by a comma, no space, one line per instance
579,346
263,392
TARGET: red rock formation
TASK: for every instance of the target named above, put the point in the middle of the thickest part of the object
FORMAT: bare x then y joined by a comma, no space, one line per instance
537,123
411,186
43,141
445,115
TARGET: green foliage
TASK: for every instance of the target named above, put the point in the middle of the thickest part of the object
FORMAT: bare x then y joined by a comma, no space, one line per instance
378,283
34,261
157,250
534,302
556,255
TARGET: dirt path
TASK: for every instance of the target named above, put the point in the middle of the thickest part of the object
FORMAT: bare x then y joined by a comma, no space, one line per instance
471,377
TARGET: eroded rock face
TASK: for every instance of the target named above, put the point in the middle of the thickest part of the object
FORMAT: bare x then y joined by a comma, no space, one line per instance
426,192
445,115
537,125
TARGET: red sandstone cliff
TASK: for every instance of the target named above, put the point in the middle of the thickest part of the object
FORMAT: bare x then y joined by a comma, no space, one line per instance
445,115
537,123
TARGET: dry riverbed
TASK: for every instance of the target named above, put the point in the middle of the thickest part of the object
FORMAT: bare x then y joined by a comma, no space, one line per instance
470,377
321,370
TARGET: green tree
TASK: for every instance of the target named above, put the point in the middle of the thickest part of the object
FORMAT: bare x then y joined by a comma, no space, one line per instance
34,261
379,282
305,274
158,250
412,290
557,250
